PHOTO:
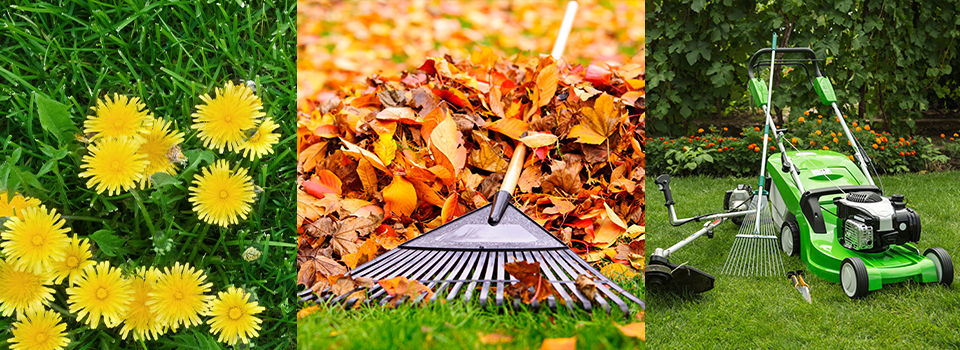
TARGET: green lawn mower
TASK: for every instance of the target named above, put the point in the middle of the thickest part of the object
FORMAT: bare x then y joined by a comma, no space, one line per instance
824,208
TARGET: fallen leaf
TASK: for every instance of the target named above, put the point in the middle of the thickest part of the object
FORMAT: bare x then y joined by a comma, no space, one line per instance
400,114
619,271
586,285
495,339
400,286
635,329
547,84
514,128
385,148
559,344
451,208
400,196
531,285
539,140
447,139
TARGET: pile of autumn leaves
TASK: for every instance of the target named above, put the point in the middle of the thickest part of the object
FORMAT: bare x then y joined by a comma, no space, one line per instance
127,149
382,164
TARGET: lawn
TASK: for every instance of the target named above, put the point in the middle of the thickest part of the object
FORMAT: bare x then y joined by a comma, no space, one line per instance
168,53
460,326
769,313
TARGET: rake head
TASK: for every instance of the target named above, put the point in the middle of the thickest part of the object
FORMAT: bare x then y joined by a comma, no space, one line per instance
755,250
465,259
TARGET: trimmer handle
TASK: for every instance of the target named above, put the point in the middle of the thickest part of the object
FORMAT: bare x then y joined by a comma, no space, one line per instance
663,184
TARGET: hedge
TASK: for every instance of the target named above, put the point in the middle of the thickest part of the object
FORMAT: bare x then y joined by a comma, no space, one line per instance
887,60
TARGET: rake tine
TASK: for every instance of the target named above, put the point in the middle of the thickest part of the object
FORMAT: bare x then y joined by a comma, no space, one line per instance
409,266
381,270
584,266
500,277
491,266
477,272
454,265
349,303
559,287
560,259
367,265
577,270
435,273
467,266
552,257
342,297
518,256
612,285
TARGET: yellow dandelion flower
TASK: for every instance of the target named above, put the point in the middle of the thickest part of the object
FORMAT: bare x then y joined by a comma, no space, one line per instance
221,195
12,204
178,296
232,317
120,117
141,319
114,165
75,259
262,141
36,240
159,139
22,291
39,330
100,292
222,120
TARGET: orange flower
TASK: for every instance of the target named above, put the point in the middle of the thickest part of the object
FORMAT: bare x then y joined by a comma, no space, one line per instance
913,153
724,129
813,143
806,113
711,144
882,148
902,154
835,140
818,132
858,128
700,130
819,121
854,124
955,135
866,127
720,149
875,146
756,128
825,148
801,118
794,140
819,116
756,149
772,148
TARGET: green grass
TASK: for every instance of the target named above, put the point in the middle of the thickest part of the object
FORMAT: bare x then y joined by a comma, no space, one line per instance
168,53
769,313
459,326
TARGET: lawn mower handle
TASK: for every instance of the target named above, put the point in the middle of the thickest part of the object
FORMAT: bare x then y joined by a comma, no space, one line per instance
799,50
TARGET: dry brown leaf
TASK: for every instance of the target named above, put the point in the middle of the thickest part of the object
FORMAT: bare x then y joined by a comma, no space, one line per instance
587,286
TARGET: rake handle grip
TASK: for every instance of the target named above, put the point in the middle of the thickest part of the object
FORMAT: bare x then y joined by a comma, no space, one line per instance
510,178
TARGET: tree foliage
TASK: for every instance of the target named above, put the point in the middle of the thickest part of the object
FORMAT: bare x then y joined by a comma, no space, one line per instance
888,61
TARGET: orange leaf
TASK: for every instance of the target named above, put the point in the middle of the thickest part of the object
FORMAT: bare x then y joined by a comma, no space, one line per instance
451,208
447,139
559,344
324,181
359,153
514,128
636,330
607,234
547,84
401,196
584,134
530,278
401,286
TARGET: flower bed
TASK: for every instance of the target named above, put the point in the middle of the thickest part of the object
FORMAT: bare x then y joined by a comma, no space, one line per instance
725,152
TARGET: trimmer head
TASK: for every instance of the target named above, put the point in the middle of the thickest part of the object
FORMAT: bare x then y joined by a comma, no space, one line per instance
662,275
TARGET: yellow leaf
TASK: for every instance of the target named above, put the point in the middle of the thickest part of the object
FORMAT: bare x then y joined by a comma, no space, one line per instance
358,153
635,231
385,148
401,196
539,140
619,271
613,216
547,84
585,135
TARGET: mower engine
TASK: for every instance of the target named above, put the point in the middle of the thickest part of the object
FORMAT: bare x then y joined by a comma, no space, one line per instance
871,222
